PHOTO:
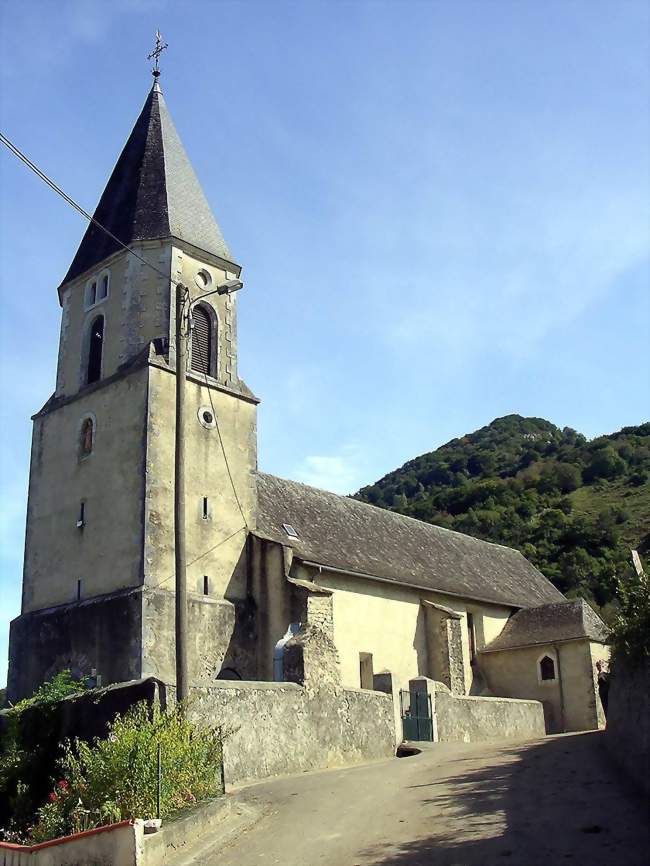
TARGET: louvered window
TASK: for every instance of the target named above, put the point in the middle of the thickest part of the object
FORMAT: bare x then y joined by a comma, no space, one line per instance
203,340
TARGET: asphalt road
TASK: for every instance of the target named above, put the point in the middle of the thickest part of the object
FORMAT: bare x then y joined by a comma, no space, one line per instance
553,801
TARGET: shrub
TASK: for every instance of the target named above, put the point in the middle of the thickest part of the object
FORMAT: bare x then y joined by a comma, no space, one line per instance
631,627
116,777
21,769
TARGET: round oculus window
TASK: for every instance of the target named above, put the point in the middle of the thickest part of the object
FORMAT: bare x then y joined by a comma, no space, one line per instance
206,417
202,279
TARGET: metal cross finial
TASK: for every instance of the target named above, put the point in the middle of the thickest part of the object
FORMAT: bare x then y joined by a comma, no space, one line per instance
155,54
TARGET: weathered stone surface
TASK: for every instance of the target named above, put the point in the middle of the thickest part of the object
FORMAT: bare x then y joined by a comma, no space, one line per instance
467,719
282,728
217,638
311,659
628,721
102,633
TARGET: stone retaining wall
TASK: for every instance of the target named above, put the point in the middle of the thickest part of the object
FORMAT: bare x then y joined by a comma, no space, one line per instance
286,728
628,722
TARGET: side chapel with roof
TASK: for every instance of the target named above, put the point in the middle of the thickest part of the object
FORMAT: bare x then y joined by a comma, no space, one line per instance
267,557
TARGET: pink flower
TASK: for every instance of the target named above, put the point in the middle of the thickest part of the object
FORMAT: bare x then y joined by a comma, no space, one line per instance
63,784
53,798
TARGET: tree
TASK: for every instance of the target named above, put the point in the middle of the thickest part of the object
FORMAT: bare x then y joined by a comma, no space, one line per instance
568,477
605,463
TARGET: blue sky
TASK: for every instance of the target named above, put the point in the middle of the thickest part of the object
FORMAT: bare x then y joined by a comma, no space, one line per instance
440,207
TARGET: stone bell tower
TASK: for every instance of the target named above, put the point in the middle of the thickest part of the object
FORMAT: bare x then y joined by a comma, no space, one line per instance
99,552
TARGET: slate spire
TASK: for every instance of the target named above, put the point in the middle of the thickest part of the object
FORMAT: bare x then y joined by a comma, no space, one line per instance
152,193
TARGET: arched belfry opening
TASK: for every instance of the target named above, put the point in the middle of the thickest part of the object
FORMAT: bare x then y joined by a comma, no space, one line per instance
204,342
95,348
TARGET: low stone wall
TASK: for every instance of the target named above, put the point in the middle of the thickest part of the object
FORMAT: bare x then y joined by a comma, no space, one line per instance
465,719
628,722
468,719
285,728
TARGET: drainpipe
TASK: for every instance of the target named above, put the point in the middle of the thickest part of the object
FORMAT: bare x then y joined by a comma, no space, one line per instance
559,677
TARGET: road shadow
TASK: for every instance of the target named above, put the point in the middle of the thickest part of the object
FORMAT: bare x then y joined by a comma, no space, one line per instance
558,801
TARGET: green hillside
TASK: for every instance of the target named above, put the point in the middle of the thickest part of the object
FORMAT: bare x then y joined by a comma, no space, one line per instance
574,507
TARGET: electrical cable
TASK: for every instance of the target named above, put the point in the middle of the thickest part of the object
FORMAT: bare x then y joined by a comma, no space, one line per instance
77,207
57,189
200,556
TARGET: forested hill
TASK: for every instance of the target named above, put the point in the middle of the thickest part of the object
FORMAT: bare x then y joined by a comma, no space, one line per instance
574,507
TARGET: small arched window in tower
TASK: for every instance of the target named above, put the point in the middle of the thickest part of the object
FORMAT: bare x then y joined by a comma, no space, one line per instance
102,292
204,354
87,437
547,668
95,346
91,293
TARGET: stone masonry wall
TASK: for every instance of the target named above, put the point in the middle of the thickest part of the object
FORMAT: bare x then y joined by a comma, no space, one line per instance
469,719
284,728
320,612
628,722
461,718
455,656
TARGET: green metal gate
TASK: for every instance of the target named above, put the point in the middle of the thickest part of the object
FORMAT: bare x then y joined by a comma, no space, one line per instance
417,718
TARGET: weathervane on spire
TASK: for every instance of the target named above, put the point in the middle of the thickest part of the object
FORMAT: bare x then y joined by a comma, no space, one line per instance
155,54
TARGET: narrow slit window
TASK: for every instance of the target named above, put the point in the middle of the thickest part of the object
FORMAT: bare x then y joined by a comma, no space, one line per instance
471,634
103,287
205,508
79,590
81,520
206,585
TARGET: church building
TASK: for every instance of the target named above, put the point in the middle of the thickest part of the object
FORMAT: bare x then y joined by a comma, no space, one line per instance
266,557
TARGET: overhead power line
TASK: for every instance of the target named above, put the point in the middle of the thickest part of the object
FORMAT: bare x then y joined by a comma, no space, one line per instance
91,219
77,207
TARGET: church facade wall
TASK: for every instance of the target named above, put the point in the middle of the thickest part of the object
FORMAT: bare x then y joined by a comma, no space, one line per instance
215,527
185,268
105,551
277,603
220,638
135,310
391,623
570,700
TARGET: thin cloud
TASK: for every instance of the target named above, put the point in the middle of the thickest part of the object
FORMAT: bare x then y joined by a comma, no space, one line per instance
338,473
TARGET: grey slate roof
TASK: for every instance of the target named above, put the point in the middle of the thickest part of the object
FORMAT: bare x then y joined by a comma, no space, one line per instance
152,193
346,534
548,623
